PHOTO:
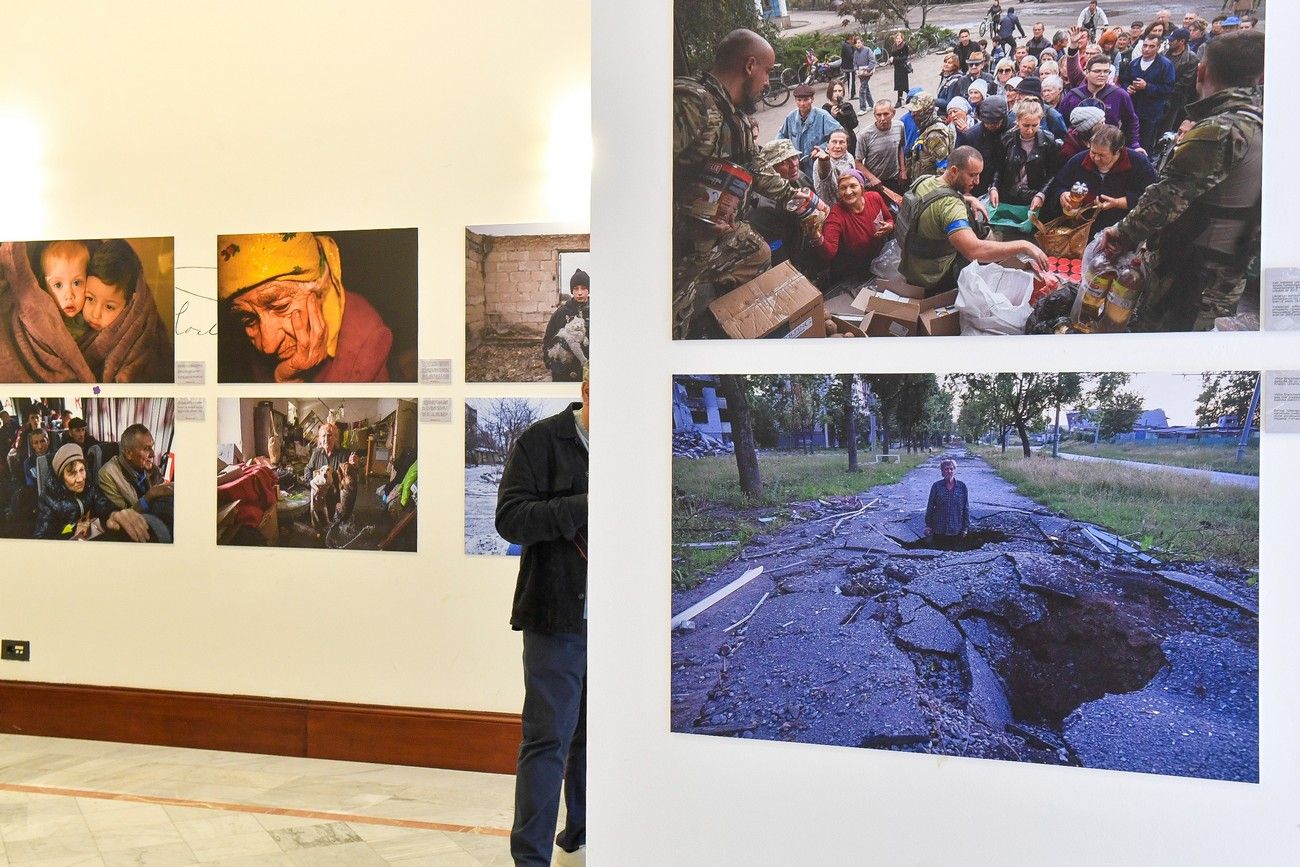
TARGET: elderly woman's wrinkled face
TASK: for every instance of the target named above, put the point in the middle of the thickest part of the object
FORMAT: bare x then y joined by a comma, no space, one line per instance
850,190
283,319
838,145
74,476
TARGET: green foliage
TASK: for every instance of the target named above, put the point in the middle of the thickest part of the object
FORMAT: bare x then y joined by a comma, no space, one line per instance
701,26
1226,393
1179,515
709,506
790,50
1003,401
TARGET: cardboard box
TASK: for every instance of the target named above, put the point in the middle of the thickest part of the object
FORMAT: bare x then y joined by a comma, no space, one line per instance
777,303
940,324
843,327
877,324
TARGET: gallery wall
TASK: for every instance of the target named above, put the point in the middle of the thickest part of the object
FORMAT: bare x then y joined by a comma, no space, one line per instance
165,120
659,797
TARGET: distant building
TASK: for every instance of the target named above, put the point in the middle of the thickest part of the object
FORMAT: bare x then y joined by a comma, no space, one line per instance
698,406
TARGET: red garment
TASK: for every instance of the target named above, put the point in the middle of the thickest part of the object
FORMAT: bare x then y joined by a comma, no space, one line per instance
256,490
852,236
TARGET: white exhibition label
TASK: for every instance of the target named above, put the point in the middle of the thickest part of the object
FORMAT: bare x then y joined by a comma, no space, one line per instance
435,371
435,410
1281,402
191,408
191,373
1281,299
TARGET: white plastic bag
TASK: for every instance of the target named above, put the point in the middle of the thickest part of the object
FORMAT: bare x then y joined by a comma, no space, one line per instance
885,265
993,300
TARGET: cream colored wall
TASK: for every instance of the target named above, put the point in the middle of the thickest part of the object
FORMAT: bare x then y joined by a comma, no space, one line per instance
140,119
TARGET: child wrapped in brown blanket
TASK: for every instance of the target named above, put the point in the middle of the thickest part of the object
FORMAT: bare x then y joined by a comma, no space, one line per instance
130,345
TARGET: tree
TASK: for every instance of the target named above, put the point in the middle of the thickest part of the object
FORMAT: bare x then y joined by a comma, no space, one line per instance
1018,400
1108,406
874,12
507,418
701,26
798,402
849,407
1226,393
902,398
736,390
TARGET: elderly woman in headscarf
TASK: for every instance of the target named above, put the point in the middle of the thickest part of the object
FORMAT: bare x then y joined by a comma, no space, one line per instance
854,231
959,115
285,290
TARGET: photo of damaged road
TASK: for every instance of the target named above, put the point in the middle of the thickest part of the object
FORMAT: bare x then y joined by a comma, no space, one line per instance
1034,637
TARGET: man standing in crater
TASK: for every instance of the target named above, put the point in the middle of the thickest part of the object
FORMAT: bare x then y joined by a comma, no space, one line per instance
947,514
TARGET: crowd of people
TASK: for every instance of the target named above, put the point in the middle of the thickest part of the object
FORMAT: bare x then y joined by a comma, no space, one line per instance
1160,124
60,482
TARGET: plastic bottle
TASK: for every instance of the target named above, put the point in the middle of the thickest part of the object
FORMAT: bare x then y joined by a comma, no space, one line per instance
1125,291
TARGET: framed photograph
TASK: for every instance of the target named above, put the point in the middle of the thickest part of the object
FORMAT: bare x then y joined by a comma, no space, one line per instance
87,310
527,310
1060,568
88,468
310,472
329,306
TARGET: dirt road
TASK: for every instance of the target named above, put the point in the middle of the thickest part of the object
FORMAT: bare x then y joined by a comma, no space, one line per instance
1034,647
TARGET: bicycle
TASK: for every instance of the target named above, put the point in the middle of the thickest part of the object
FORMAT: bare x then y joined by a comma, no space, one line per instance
779,83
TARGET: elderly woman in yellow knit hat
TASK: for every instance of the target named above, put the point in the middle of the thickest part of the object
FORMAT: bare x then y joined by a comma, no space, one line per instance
286,291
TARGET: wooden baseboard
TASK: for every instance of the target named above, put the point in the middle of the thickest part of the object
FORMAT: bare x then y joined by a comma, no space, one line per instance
459,740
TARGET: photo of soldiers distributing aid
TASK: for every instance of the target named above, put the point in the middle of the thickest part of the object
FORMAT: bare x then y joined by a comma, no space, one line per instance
1060,172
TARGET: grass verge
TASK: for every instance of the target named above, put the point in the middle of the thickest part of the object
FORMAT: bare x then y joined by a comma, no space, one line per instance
1221,459
708,505
1177,514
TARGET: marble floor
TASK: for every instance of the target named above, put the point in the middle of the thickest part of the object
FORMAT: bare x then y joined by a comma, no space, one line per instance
71,802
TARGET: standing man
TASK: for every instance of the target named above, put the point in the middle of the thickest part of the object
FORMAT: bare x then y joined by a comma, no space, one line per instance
807,127
947,513
1150,82
1007,28
846,66
542,505
879,154
965,48
864,66
975,72
1037,43
1092,19
1201,219
1115,101
1185,64
709,123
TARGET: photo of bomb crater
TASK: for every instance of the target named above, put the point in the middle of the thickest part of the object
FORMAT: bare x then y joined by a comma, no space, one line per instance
1058,568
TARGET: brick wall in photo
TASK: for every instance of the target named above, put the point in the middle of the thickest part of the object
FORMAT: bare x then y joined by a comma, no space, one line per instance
511,285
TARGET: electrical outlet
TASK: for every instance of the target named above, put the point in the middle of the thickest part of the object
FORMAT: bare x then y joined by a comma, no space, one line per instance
19,651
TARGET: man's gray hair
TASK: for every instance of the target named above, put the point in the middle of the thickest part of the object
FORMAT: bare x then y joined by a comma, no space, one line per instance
947,462
131,437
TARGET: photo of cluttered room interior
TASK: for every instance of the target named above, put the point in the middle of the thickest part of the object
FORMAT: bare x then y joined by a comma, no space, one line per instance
317,473
97,469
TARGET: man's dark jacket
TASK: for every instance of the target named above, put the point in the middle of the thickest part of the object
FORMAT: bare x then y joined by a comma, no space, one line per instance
542,505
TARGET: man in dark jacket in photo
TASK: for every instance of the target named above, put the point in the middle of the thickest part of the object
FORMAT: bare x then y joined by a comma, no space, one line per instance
542,505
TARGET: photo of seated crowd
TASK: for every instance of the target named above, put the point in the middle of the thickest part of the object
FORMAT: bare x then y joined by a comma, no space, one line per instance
86,310
317,473
89,469
337,306
1084,176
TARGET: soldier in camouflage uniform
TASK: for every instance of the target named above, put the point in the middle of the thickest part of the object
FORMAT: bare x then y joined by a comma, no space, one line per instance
1201,219
935,141
709,122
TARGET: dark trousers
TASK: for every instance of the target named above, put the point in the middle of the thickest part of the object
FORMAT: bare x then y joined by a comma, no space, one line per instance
554,748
